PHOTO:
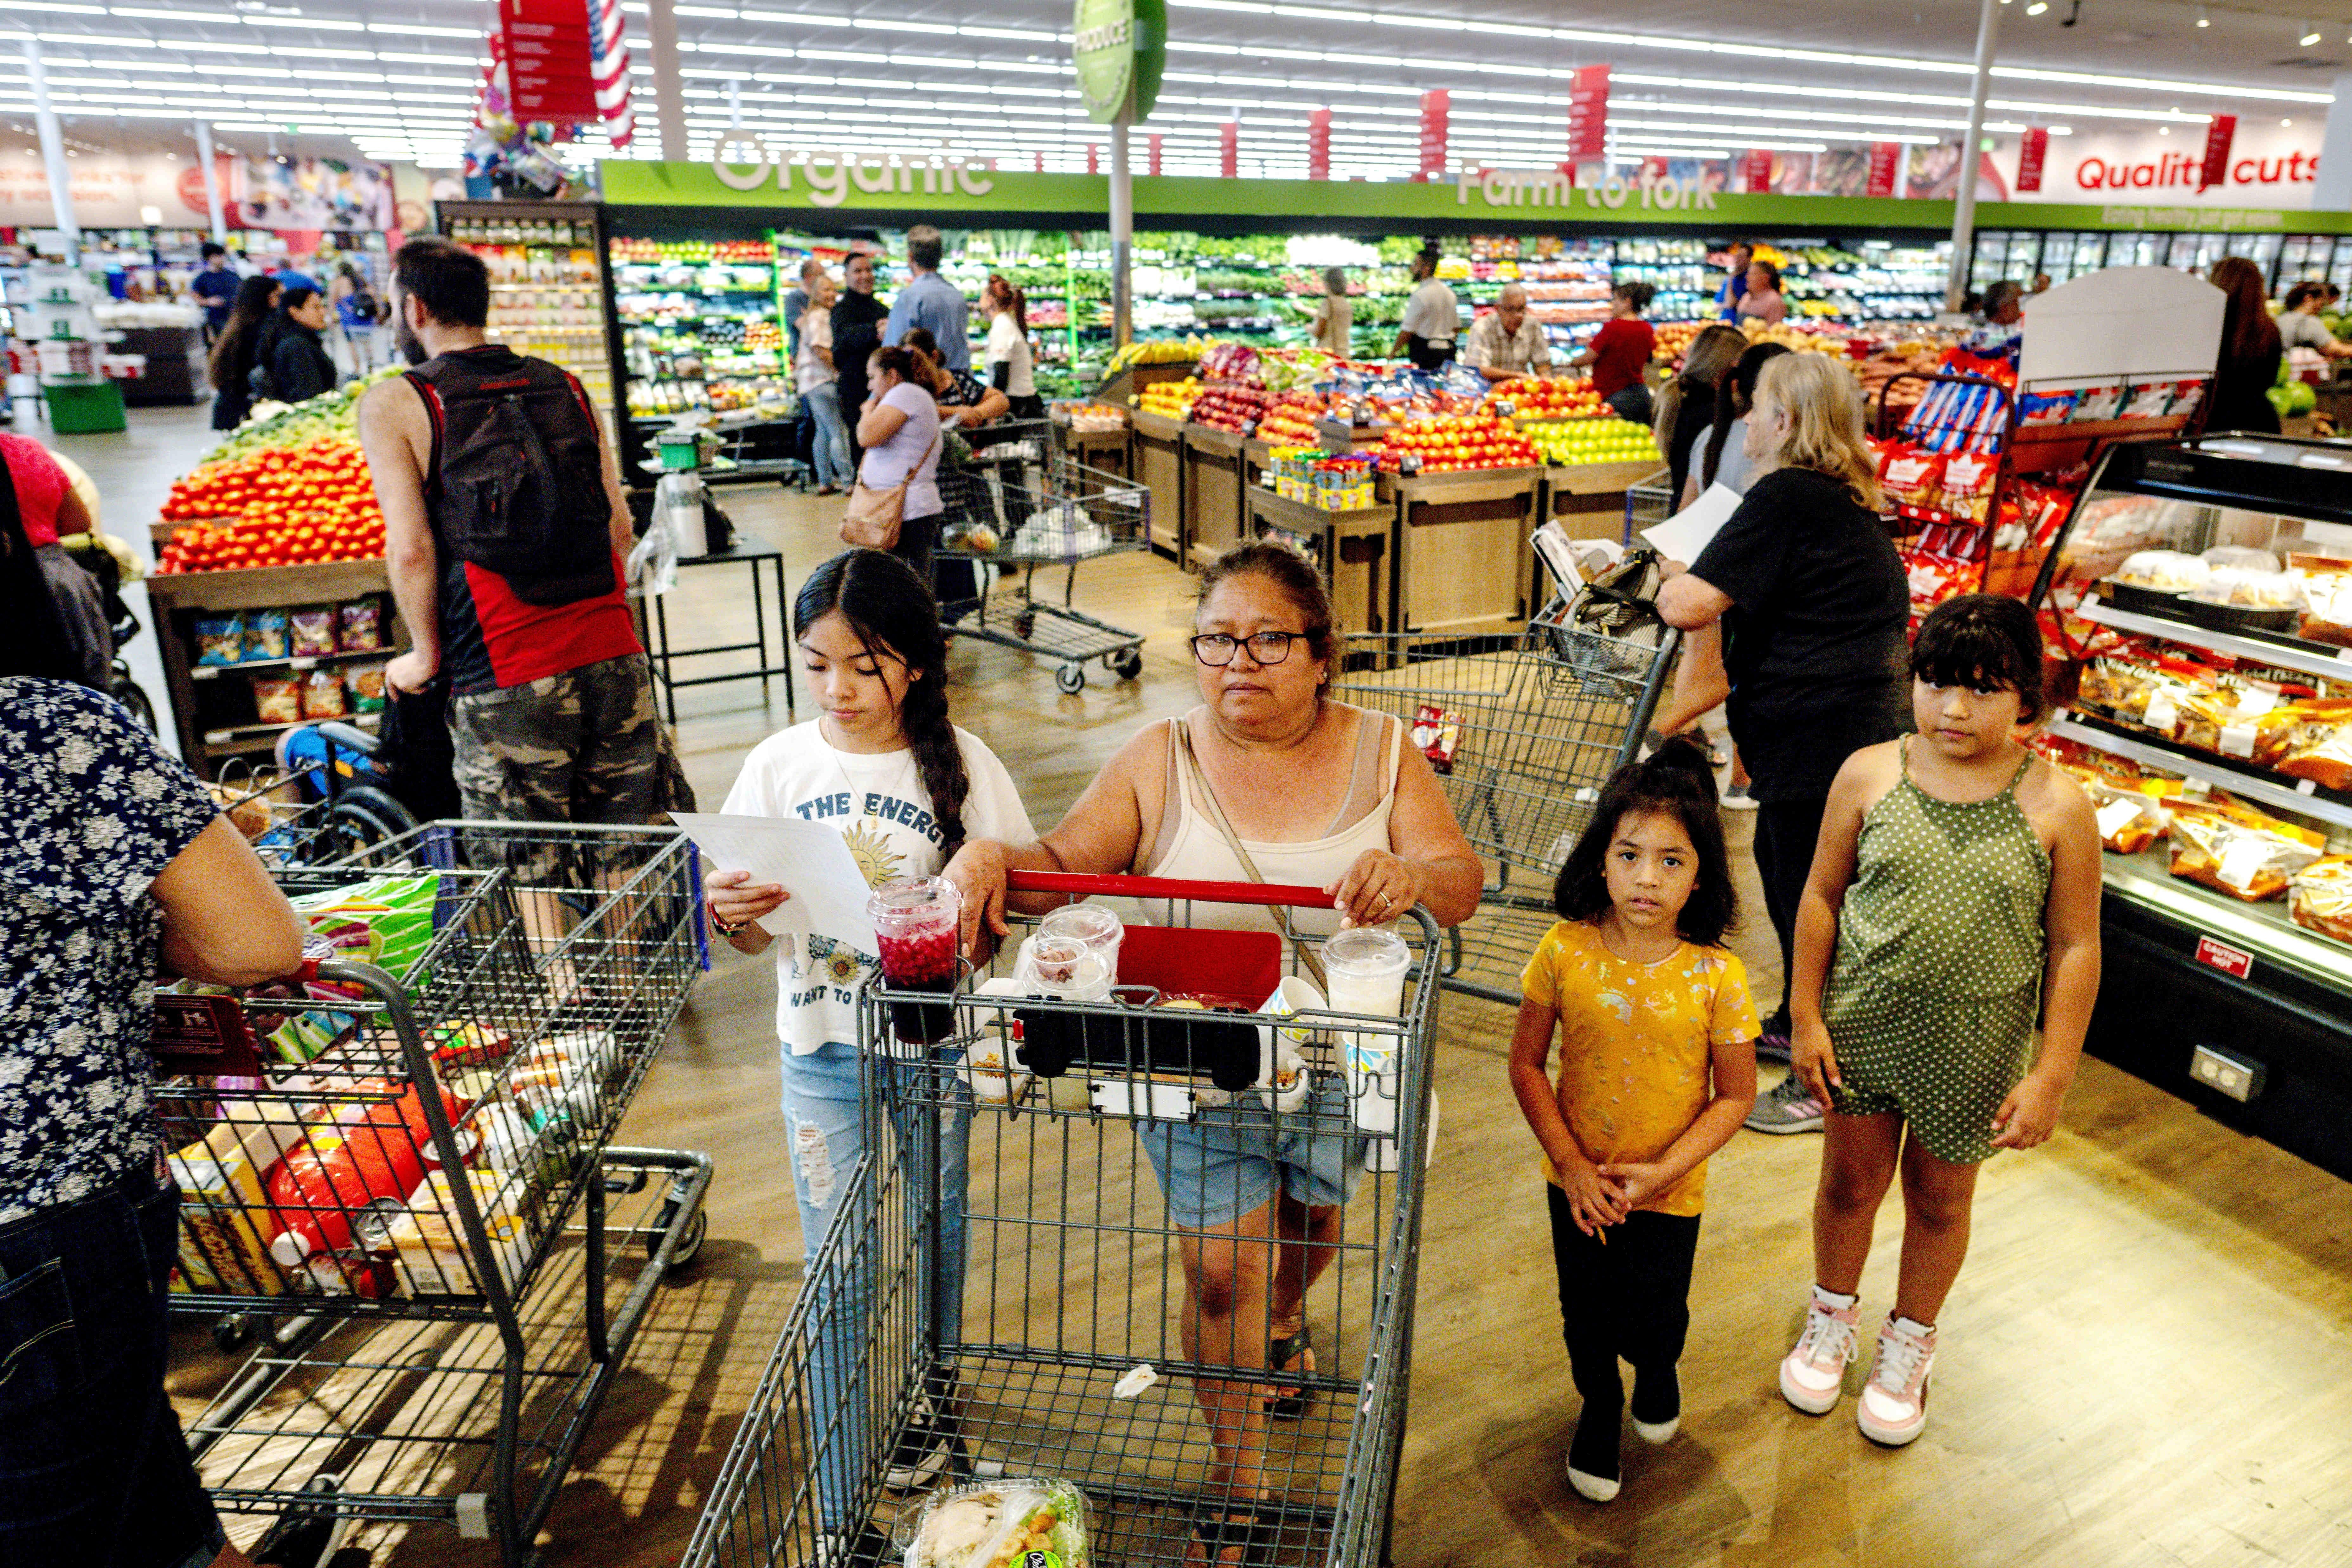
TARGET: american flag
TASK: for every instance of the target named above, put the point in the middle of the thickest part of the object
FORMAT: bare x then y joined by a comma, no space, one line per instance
609,53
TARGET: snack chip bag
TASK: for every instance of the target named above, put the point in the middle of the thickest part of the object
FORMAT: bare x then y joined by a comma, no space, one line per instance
322,695
220,640
277,699
361,623
266,633
314,631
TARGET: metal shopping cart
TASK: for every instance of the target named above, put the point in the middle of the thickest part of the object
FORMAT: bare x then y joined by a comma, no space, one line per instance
1074,1268
1523,733
1023,503
317,812
404,1171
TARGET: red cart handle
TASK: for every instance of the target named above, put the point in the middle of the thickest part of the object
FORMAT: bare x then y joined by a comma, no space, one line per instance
1082,886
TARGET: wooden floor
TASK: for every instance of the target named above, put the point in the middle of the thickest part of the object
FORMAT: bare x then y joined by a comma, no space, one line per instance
2147,1361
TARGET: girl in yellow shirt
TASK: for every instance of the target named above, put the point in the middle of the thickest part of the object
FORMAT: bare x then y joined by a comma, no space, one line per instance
1657,1068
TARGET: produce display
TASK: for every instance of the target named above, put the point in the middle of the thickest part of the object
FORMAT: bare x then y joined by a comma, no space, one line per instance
1154,351
1293,418
1452,444
1092,418
1546,397
276,507
1170,399
701,327
1235,408
1591,441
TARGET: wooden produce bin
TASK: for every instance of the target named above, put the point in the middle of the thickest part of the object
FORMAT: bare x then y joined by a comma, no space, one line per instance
1216,498
1463,561
1588,500
1157,444
202,712
1104,451
1354,549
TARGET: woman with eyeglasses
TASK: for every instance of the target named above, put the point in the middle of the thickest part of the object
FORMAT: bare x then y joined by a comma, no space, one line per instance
1269,780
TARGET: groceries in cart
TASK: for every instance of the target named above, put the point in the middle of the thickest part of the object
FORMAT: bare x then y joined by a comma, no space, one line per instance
1058,529
1010,1523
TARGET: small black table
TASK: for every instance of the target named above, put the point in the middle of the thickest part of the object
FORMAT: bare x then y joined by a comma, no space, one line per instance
753,557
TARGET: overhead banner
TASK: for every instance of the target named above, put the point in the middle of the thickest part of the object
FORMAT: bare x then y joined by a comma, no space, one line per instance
1436,106
1588,113
1229,149
1318,144
1886,158
2220,132
2033,150
1756,170
1155,152
551,57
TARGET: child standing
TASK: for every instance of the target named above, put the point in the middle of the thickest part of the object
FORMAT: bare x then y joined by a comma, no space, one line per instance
1657,1068
1957,884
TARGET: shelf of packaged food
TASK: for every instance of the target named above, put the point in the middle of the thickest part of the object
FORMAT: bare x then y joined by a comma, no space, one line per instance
567,286
2095,430
1935,516
2252,783
2307,657
2265,928
252,737
306,661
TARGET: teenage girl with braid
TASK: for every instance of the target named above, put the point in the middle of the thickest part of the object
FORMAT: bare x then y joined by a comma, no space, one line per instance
882,765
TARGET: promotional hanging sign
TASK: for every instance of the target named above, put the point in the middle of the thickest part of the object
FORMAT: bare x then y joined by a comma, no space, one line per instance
1318,144
1588,113
1229,149
1436,108
2033,151
2218,134
551,60
1120,49
1885,158
1756,170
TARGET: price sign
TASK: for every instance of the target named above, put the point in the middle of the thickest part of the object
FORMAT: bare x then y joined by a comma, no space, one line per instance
2032,152
2220,132
1757,170
1885,158
1588,113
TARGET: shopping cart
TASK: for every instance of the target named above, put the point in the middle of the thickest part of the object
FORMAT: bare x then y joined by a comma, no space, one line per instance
317,812
1074,1270
1050,511
403,1173
1523,733
1649,503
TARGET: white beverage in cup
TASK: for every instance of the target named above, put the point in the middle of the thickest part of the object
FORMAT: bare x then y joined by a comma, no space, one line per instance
1367,970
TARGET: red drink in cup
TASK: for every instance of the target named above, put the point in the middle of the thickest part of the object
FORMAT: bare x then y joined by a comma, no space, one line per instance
916,927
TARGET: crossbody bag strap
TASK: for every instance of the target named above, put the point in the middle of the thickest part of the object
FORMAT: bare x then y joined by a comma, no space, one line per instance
1215,813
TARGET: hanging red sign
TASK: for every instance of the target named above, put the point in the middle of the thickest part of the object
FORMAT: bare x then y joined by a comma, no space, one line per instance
2033,151
1318,144
551,60
1155,152
1436,106
2218,134
1229,149
1588,113
1756,170
1094,158
1885,158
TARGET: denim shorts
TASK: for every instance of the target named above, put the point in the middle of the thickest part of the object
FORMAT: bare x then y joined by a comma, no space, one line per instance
1219,1166
94,1472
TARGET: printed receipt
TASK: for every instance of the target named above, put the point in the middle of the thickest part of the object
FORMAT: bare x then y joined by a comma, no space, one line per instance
808,860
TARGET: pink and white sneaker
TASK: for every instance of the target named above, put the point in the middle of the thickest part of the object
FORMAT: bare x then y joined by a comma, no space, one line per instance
1812,1373
1893,1409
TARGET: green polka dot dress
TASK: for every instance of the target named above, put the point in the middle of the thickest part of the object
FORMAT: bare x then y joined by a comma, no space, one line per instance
1938,983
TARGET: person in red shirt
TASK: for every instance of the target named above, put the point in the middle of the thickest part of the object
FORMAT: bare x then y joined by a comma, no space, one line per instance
45,495
1621,350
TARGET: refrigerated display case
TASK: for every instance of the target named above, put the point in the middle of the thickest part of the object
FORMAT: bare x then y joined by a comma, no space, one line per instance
551,296
2229,975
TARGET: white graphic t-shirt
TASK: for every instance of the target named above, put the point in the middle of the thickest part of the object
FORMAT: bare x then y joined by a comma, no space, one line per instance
879,805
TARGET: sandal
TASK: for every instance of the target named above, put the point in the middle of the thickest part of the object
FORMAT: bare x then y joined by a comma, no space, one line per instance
1256,1534
1280,1354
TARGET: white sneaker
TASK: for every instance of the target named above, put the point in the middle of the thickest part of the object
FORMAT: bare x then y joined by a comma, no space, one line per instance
1892,1408
1812,1375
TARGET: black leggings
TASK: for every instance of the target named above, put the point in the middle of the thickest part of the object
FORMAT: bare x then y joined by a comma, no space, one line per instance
1786,833
1626,1298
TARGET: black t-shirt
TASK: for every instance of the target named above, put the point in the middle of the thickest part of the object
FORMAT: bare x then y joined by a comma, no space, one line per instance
1813,643
1693,415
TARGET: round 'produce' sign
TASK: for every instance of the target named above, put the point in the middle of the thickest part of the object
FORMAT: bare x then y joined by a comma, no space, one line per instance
1118,47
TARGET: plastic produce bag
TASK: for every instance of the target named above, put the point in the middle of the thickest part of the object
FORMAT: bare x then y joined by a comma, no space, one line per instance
675,530
998,1524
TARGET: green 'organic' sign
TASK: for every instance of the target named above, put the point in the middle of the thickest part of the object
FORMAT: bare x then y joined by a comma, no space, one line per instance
1119,47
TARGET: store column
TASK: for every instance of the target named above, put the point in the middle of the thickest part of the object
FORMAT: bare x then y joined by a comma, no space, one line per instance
2332,189
669,90
53,147
1964,195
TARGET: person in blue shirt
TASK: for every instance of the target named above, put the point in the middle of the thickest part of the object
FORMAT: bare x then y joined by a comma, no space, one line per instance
290,276
1735,285
214,287
931,301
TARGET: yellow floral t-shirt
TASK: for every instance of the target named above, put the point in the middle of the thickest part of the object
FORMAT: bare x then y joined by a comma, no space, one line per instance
1636,1042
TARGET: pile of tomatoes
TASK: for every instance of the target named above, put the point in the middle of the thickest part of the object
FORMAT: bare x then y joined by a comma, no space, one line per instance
1448,444
284,507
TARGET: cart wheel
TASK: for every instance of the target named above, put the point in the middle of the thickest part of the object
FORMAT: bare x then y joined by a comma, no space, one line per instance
1024,625
1071,678
1127,665
232,1331
689,1244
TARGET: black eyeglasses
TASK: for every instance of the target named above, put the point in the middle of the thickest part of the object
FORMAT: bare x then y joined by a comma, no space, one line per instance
1217,649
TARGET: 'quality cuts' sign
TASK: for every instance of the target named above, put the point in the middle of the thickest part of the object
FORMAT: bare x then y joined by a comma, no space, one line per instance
2260,166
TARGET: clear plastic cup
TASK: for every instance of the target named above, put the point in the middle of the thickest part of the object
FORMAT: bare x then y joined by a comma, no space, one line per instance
1367,970
1092,925
916,926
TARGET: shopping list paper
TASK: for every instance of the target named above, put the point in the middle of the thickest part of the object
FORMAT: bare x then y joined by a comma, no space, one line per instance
810,861
1681,536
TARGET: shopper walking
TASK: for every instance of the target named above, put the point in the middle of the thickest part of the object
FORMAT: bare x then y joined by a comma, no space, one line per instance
918,787
2250,349
857,318
1763,301
1012,370
1719,451
1814,600
510,588
2299,324
359,314
1335,317
2001,321
300,365
1735,280
930,301
965,405
1688,402
1431,317
1507,342
230,364
214,287
118,866
819,384
797,302
1657,1067
1955,898
1620,353
808,433
898,434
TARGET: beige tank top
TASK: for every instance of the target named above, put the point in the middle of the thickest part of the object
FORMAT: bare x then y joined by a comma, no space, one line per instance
1189,844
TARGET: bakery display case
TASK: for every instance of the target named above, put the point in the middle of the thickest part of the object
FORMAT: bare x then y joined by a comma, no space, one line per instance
2200,599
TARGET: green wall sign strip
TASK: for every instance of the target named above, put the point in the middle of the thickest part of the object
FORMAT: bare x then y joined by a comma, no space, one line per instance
870,186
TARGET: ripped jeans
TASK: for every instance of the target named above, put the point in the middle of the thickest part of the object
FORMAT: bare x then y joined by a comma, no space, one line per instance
824,1130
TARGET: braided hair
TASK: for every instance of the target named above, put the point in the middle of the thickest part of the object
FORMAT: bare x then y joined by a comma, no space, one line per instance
891,611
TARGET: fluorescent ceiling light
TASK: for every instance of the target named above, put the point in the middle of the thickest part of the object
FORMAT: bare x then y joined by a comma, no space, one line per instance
417,31
318,23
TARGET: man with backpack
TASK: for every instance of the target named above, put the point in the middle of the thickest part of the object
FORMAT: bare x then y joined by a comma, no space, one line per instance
505,529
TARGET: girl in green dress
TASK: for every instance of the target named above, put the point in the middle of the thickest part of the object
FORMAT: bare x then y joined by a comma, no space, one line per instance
1956,886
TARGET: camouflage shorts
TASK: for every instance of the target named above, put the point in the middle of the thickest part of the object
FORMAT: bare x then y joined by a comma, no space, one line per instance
581,746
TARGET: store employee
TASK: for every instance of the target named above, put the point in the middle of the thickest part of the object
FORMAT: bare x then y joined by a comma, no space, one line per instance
1431,317
1504,343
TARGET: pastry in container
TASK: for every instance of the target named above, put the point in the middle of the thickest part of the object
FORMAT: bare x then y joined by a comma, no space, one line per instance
2128,820
2240,557
2162,571
998,1524
2236,850
2319,897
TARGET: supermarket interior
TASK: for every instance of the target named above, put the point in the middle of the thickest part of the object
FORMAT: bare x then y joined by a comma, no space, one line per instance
1695,666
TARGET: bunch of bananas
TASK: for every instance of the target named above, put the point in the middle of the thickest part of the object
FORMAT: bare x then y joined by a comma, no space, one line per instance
1158,351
